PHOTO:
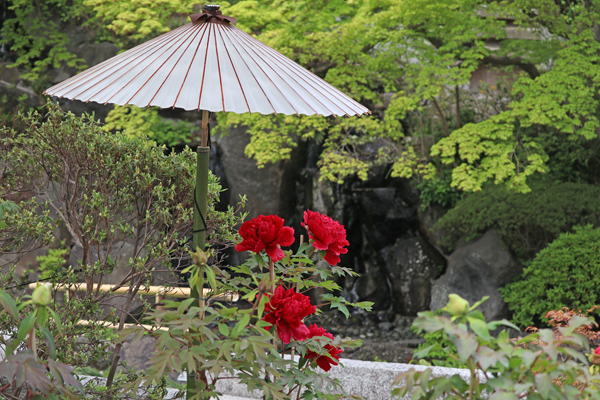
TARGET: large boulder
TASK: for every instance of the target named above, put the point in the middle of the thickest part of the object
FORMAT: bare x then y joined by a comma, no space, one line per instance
373,285
385,215
476,269
413,265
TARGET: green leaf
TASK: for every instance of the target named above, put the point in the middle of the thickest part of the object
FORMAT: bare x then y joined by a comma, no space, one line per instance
184,305
480,328
56,319
42,316
466,346
341,307
543,382
224,329
503,396
241,325
423,353
261,306
210,275
26,326
8,304
495,324
477,304
49,341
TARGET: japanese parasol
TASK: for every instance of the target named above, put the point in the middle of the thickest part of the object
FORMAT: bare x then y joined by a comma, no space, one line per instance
209,65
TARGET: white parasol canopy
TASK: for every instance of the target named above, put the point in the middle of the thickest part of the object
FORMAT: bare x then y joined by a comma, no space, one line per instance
208,64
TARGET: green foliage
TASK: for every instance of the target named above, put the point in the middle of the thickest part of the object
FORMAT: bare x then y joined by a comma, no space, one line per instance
564,99
537,366
24,227
107,190
34,364
564,274
437,191
34,35
440,350
52,263
7,207
134,121
417,51
526,222
216,341
137,20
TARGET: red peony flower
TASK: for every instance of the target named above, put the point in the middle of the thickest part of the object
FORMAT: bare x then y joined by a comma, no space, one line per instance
286,309
266,232
327,234
597,351
324,362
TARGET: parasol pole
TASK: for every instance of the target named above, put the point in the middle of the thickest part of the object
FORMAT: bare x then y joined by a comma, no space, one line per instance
200,219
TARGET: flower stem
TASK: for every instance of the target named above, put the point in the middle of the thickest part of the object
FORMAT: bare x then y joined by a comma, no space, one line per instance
272,275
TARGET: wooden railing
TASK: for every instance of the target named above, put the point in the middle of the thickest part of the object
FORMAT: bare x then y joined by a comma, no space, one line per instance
160,292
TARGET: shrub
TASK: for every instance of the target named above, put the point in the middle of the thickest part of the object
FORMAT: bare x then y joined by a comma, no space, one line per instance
109,190
133,122
438,191
565,274
443,355
527,222
52,263
537,366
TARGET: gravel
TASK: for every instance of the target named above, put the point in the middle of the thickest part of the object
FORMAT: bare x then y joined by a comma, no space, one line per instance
385,337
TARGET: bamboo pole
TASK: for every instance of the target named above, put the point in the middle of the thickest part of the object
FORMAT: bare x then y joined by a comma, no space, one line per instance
199,234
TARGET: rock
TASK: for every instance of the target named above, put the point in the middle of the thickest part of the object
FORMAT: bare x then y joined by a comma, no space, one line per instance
385,215
323,197
137,353
373,286
412,266
82,45
476,269
427,220
386,326
265,187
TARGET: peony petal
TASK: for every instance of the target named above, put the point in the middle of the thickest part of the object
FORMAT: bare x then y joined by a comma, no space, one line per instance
319,245
243,246
285,236
283,330
331,258
324,363
275,253
300,333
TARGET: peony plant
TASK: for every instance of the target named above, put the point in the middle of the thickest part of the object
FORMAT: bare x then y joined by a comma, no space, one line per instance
267,345
31,367
545,364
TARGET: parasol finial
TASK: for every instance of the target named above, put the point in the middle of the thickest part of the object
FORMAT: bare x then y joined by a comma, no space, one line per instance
210,13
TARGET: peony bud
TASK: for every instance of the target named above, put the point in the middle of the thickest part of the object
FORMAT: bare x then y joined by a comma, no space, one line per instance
457,306
42,295
264,286
199,257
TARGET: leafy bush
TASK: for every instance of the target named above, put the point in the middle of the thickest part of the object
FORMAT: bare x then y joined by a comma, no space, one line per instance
438,190
107,190
527,222
540,365
31,350
134,121
443,355
564,274
52,262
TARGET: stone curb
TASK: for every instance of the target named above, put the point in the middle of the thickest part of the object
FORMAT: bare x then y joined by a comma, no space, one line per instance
367,379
